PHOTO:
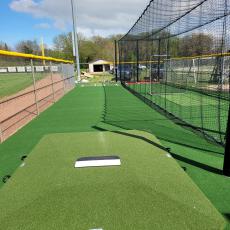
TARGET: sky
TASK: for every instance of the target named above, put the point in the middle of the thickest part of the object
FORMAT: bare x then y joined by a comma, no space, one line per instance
33,19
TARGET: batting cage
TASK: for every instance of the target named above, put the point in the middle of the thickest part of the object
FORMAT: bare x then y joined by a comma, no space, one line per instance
176,57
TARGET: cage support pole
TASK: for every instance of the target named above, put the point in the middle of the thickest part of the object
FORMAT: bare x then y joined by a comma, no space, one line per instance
119,62
115,59
137,53
159,60
226,169
166,70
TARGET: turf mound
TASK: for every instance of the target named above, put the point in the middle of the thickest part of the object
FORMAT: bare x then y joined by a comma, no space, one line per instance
148,191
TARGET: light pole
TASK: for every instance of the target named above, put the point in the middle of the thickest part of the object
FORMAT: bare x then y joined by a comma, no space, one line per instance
75,40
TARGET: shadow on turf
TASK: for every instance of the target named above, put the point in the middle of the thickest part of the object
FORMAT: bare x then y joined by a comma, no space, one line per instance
175,156
189,146
134,136
136,119
197,164
227,216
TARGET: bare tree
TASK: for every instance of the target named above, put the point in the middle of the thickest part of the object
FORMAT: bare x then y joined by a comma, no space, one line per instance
28,47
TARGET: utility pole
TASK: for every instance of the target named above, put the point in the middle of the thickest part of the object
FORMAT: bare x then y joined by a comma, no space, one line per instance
75,41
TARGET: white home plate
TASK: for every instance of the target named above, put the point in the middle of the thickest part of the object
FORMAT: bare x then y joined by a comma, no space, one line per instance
169,155
100,161
96,229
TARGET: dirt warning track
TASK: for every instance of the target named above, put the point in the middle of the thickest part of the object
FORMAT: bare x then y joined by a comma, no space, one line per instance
19,109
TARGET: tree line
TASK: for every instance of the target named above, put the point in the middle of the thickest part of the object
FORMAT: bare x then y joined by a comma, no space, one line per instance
98,47
194,44
90,49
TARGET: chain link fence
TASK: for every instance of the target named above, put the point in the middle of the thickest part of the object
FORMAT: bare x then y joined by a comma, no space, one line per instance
28,86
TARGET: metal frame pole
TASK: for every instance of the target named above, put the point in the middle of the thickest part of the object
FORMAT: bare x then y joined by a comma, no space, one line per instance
119,65
166,70
115,61
34,84
226,168
151,56
75,42
159,60
137,52
150,88
52,81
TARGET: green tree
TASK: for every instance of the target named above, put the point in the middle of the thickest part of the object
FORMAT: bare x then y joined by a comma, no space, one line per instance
196,44
90,49
63,46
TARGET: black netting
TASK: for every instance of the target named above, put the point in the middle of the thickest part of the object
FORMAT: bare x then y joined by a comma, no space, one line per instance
177,55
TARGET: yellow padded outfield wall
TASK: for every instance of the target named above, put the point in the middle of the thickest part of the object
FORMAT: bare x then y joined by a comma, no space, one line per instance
31,56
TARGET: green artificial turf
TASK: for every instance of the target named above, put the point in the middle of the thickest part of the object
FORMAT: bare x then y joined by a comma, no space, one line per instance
194,108
114,108
80,110
14,82
148,191
202,160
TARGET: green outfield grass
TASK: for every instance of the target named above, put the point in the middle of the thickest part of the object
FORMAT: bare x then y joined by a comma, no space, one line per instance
109,108
15,82
49,193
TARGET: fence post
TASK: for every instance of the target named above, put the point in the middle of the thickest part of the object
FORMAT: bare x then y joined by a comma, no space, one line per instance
34,84
52,81
63,78
226,169
1,133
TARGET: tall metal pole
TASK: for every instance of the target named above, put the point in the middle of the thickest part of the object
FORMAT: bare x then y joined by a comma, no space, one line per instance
75,42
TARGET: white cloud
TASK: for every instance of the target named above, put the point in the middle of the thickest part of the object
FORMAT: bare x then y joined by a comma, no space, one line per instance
93,17
43,26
